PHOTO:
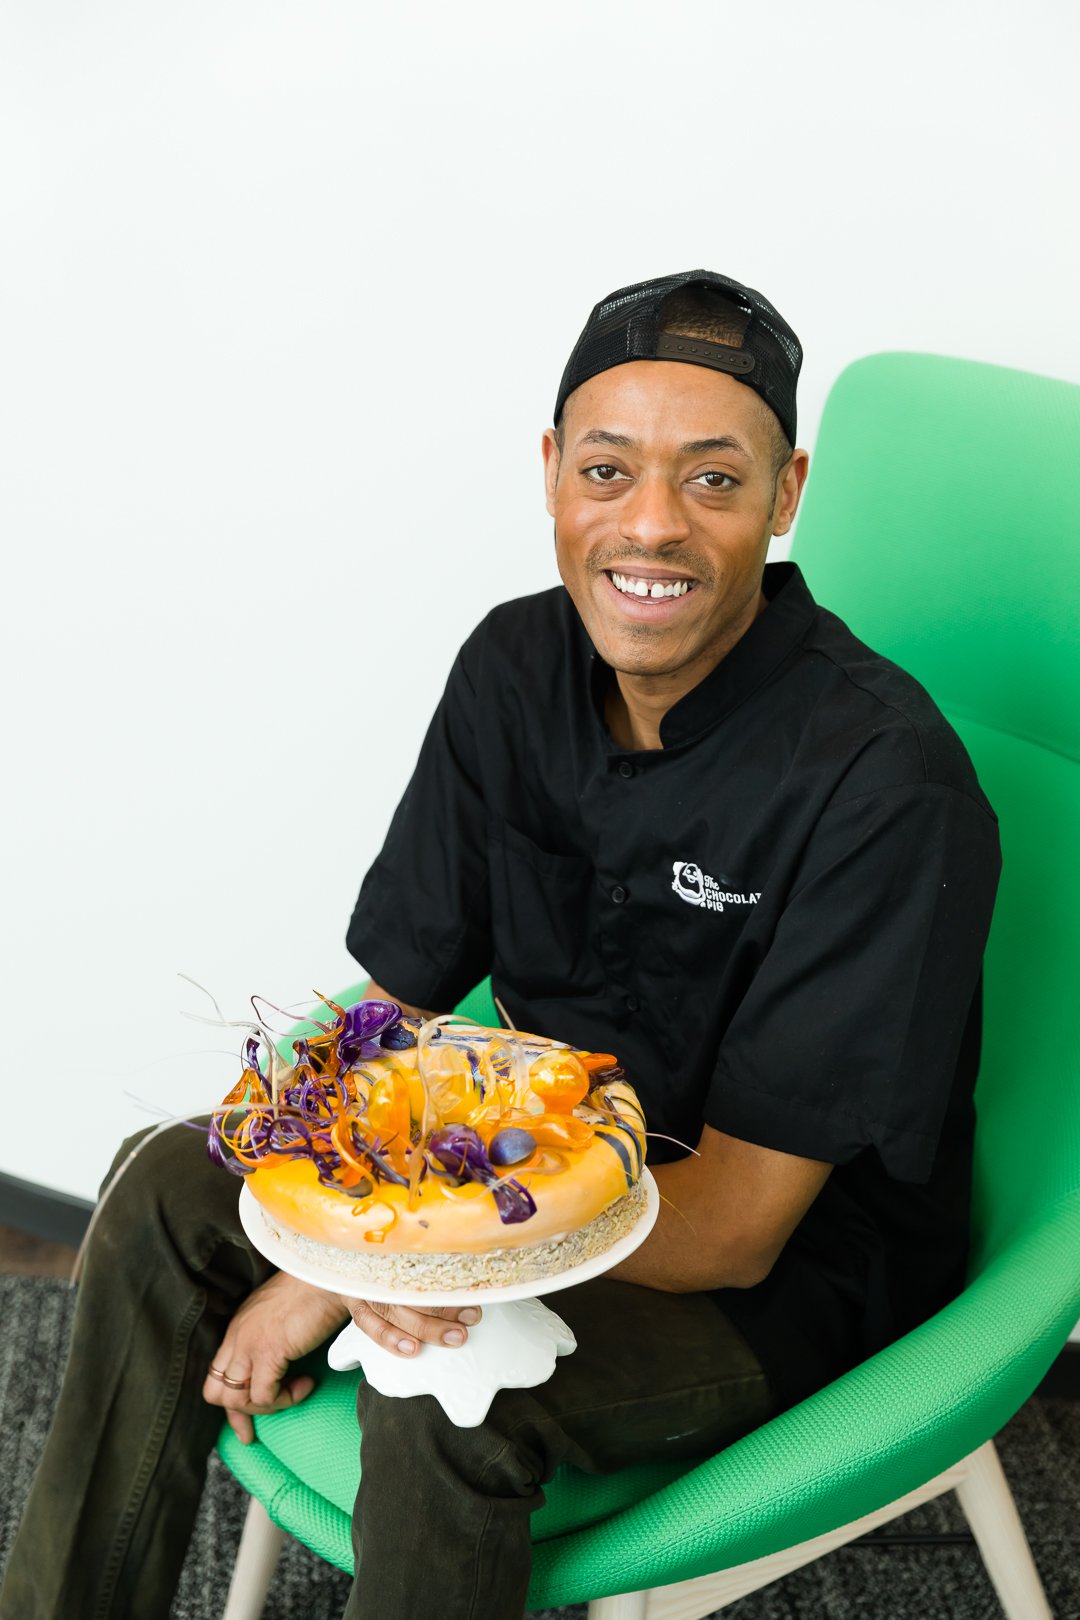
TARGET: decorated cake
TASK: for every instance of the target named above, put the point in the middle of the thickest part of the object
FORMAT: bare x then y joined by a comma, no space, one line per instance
435,1154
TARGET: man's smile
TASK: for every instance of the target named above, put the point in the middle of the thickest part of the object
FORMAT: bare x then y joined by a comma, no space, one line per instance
648,593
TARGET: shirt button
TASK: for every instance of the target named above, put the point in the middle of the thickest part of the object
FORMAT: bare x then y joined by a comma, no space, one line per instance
625,768
633,1003
619,894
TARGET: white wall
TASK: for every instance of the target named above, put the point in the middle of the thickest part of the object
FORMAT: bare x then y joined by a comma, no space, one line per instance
286,293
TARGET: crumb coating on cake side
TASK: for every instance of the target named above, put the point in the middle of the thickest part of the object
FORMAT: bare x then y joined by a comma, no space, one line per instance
493,1268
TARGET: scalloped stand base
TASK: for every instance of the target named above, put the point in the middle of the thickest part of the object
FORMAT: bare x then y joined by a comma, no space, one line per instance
513,1346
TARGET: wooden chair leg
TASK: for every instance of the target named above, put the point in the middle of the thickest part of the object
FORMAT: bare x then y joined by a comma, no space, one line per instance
256,1559
627,1606
991,1512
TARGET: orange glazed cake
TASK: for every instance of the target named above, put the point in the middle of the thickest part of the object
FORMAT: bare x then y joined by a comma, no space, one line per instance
439,1154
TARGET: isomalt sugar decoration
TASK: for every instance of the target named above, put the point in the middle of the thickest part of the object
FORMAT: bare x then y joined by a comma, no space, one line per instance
466,1106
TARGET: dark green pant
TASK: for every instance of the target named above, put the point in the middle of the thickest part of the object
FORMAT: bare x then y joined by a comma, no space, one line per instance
441,1523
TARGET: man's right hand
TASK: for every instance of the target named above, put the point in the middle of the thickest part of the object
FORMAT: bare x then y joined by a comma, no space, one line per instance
278,1322
403,1329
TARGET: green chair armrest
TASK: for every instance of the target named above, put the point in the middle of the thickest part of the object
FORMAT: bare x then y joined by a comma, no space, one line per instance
889,1425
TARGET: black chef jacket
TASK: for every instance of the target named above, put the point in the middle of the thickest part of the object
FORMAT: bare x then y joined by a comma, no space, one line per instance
776,921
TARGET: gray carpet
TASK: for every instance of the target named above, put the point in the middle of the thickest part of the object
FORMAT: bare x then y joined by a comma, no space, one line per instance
1040,1451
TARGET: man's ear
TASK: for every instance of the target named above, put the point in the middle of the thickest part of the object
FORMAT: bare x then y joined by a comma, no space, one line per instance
550,452
789,489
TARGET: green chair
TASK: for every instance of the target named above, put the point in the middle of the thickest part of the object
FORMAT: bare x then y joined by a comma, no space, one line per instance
941,521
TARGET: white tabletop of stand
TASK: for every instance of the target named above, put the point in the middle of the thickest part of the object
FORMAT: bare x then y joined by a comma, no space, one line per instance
513,1346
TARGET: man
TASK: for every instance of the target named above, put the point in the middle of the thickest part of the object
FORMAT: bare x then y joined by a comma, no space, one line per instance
679,812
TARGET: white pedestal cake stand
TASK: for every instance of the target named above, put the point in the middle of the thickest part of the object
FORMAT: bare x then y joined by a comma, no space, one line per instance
513,1346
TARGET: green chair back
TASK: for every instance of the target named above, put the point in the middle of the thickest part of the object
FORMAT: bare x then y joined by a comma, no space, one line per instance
941,520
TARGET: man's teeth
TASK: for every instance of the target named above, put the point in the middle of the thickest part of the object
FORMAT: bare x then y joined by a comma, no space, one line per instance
631,586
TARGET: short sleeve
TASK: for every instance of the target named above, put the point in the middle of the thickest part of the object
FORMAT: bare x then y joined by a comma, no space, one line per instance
850,1030
421,923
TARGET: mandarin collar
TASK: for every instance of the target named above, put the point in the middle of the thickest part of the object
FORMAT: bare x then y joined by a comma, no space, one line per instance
772,636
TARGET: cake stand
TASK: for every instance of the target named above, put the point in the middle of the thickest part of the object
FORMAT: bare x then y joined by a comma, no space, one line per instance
513,1346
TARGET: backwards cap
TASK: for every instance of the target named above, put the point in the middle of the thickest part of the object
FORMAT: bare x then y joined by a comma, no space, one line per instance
758,347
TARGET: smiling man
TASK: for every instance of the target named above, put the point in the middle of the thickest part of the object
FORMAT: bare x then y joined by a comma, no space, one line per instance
684,815
677,811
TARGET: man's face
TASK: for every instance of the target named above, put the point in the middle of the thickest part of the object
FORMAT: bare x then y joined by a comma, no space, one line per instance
658,509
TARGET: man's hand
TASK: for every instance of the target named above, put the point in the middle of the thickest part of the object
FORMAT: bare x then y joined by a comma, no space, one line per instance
278,1322
401,1329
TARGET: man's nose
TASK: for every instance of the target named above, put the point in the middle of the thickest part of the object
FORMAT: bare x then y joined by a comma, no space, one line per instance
652,515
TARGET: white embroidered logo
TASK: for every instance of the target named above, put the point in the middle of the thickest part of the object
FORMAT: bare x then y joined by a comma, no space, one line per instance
697,888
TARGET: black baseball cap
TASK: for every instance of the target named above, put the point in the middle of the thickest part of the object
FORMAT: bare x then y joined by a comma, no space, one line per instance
757,345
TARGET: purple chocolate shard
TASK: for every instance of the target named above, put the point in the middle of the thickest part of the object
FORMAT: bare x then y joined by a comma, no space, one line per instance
364,1021
460,1149
514,1202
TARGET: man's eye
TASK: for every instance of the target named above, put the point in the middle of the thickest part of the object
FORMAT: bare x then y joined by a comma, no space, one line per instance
603,468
